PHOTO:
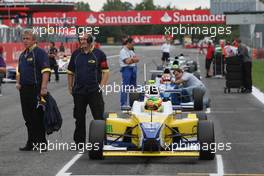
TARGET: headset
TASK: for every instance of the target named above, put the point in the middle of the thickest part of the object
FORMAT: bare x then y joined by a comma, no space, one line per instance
90,38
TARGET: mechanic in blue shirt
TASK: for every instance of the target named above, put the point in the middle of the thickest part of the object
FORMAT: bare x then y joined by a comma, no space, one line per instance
127,61
87,72
32,80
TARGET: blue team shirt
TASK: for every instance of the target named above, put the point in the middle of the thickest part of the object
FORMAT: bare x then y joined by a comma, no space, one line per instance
32,63
87,69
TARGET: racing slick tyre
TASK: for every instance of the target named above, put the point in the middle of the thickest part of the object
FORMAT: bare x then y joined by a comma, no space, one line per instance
234,76
195,65
197,75
133,97
206,138
96,138
198,95
201,116
192,68
160,67
234,68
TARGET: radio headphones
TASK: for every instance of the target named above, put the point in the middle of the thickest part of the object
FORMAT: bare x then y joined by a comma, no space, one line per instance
90,38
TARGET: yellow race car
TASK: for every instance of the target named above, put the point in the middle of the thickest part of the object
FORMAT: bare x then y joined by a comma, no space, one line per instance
152,128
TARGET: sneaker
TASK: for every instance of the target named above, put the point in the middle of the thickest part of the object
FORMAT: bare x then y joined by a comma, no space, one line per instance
26,148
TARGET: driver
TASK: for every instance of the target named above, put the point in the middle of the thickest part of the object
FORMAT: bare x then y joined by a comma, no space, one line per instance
166,77
181,56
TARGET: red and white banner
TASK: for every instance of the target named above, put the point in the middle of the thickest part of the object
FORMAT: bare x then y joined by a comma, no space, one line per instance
124,18
148,39
37,1
13,50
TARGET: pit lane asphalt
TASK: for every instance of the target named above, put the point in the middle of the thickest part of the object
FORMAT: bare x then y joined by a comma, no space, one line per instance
238,119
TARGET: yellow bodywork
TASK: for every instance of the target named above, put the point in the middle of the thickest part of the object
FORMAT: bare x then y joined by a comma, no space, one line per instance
162,153
117,125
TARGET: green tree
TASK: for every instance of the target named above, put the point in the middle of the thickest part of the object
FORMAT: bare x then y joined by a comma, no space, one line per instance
146,5
117,5
81,6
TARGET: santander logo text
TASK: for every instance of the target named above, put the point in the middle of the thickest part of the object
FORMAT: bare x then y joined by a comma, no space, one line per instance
119,19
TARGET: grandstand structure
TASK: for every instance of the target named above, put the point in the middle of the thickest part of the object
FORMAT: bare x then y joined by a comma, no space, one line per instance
15,9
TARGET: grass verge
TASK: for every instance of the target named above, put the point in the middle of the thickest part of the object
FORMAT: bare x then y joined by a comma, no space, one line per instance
258,74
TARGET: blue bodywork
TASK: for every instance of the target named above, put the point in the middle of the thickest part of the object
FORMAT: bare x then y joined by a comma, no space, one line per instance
151,136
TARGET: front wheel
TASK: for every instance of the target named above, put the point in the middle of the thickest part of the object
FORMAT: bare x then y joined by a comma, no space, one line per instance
198,95
206,139
96,138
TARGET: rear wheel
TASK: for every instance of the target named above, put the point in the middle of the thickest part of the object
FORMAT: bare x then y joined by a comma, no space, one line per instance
206,139
195,65
198,99
96,138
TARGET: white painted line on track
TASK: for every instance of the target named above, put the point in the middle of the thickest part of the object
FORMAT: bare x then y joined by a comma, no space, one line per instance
112,56
63,171
258,94
198,64
220,166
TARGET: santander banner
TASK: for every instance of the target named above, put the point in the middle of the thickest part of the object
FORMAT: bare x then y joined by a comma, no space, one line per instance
124,18
144,39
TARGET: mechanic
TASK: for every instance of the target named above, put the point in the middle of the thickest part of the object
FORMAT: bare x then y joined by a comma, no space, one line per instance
2,69
32,81
165,48
87,72
188,80
247,67
229,51
52,59
127,61
209,58
62,48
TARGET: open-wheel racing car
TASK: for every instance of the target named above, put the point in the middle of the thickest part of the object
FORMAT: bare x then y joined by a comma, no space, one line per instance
180,97
152,128
184,62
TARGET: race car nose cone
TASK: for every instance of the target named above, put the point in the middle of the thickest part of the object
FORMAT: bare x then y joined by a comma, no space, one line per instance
151,132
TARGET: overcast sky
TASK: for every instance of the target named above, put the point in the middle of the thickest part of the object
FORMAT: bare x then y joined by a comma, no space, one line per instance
96,5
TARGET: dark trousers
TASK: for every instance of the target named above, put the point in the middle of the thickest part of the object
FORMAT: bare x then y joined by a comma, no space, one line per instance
1,79
32,116
96,103
247,75
56,72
